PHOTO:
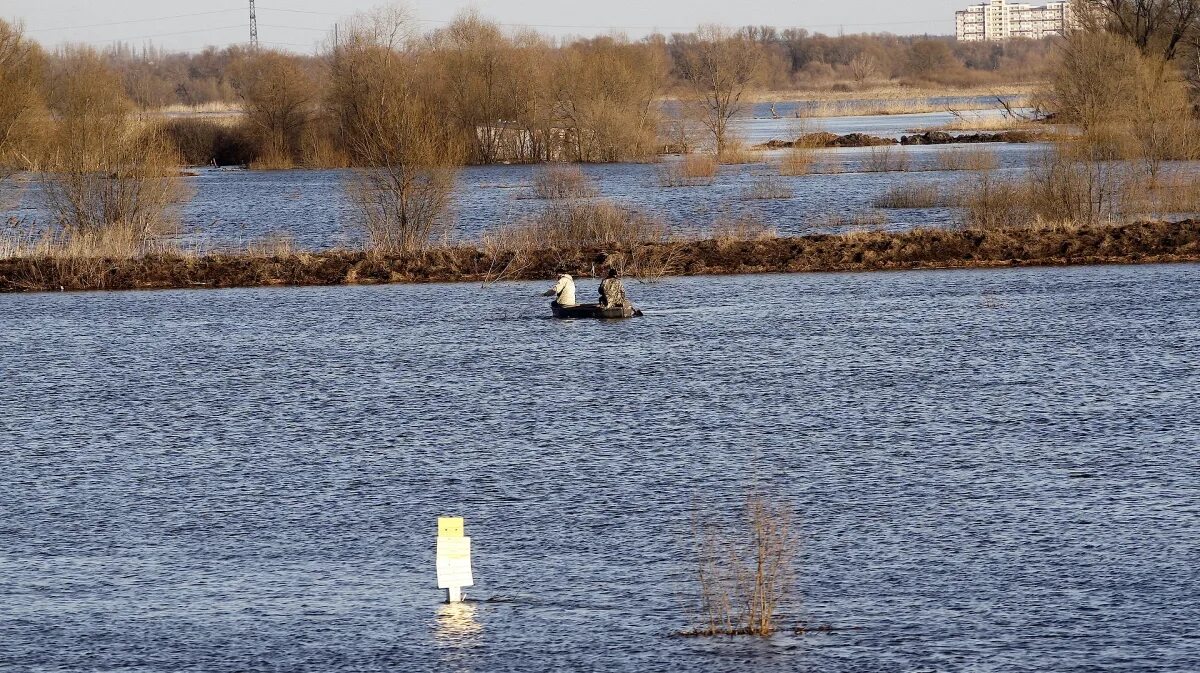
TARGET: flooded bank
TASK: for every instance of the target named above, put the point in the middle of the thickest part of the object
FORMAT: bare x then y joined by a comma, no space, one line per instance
1139,243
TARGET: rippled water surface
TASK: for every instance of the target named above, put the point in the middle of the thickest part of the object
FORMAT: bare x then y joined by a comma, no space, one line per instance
993,471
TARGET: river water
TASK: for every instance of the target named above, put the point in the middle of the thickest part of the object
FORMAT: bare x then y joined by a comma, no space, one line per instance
233,208
991,471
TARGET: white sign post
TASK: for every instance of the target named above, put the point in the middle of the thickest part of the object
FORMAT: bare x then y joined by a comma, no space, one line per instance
453,558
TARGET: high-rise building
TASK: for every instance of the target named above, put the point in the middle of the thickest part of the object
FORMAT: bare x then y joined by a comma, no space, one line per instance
1001,20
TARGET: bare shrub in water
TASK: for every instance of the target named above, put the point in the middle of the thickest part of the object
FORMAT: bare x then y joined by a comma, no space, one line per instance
112,186
744,579
1075,183
21,104
718,66
558,181
1129,105
409,156
280,102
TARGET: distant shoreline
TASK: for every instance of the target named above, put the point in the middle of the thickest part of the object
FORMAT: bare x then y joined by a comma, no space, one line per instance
1137,243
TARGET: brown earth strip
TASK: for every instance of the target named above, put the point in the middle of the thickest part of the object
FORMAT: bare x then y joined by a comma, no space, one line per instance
1143,242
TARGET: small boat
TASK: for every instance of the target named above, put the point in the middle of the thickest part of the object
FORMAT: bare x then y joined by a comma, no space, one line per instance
593,311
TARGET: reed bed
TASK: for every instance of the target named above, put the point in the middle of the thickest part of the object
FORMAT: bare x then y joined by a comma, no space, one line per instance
886,159
912,196
798,161
967,159
694,170
768,187
559,181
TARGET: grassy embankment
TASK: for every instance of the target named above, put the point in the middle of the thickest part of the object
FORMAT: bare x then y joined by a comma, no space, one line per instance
1143,242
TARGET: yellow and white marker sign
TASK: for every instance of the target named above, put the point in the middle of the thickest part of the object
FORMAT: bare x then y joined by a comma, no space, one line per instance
453,558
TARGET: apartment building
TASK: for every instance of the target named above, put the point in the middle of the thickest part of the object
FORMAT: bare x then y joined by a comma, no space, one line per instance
1001,20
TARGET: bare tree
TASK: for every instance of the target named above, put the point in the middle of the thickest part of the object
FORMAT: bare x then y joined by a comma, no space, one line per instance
112,186
391,26
718,66
863,67
605,91
408,157
280,100
20,74
1155,26
481,85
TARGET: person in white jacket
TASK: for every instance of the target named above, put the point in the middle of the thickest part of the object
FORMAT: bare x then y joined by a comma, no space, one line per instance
563,291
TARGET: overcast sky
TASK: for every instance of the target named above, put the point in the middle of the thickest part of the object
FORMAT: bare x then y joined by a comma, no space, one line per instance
299,24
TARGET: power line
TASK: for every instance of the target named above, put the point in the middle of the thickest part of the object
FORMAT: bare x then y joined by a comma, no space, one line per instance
123,23
181,32
611,27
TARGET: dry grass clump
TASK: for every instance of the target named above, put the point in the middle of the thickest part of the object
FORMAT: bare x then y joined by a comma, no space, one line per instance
886,159
274,244
1167,195
741,228
1070,184
694,170
637,244
584,225
736,152
765,187
911,196
860,220
967,159
1003,122
797,161
745,576
558,181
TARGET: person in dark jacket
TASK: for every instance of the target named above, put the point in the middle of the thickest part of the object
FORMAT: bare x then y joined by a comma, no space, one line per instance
612,293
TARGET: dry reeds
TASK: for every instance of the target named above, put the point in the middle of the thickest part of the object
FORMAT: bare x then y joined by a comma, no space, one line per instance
586,224
797,161
740,228
911,196
886,159
1070,184
694,170
637,244
766,187
735,152
558,181
854,220
973,159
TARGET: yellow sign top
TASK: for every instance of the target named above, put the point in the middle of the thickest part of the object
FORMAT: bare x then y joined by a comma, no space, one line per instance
450,526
